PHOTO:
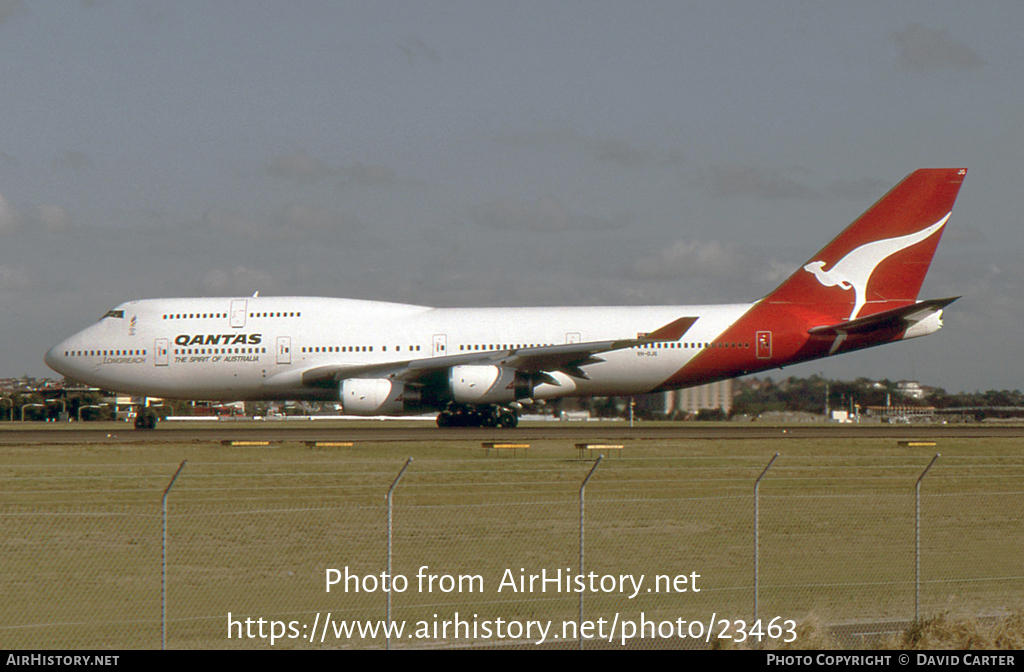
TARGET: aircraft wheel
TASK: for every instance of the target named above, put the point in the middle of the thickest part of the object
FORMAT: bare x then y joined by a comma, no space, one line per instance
444,419
145,420
508,420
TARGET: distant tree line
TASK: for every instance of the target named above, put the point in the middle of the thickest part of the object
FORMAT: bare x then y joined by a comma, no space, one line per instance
755,396
809,395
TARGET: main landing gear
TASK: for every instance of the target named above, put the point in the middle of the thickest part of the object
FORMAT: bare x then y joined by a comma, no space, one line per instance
459,415
146,419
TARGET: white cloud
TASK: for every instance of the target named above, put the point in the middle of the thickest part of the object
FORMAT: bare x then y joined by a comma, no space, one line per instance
774,272
690,258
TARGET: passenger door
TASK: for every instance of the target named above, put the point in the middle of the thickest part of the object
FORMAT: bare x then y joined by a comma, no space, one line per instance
440,345
161,350
238,313
284,349
764,345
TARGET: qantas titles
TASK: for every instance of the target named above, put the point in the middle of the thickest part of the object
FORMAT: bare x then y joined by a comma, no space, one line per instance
185,340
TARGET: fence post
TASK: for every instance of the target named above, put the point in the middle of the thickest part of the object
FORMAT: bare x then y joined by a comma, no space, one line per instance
391,491
757,532
917,540
579,623
163,561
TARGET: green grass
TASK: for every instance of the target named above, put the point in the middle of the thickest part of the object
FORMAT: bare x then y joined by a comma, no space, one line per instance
252,531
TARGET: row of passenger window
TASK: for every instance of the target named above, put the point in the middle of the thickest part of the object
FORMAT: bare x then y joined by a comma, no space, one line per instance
486,347
356,348
652,346
207,316
104,353
194,316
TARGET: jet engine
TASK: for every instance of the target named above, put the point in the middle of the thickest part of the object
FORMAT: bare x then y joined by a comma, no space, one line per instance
376,396
930,324
477,384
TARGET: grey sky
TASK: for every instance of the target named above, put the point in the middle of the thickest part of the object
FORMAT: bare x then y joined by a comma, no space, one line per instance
522,153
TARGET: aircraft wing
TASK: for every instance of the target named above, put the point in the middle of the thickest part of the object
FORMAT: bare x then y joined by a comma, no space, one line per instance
897,318
568,358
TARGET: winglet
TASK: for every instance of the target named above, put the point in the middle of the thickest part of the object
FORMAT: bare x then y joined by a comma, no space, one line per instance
672,331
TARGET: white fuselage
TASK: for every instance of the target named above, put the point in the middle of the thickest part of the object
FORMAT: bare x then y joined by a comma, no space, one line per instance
258,348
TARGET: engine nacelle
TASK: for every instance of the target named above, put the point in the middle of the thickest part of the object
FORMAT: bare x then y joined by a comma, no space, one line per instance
376,396
928,325
476,384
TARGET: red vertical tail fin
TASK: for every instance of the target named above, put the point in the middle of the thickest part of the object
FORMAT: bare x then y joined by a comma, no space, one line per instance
880,260
858,292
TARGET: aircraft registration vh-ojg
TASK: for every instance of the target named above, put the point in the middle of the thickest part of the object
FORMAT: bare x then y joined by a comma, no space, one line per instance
477,366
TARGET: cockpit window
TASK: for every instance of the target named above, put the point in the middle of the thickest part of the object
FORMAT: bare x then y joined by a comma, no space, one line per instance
119,314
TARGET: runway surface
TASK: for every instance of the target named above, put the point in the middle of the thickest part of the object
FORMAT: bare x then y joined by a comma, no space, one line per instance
406,432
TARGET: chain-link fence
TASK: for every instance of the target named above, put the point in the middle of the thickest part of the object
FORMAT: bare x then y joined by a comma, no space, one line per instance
663,539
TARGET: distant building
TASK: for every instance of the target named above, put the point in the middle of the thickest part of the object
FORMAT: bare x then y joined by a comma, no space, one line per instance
695,399
913,389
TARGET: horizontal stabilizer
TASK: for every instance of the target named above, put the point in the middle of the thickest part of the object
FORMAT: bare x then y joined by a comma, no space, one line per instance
897,318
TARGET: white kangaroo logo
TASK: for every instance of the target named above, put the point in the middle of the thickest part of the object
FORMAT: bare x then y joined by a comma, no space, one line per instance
854,270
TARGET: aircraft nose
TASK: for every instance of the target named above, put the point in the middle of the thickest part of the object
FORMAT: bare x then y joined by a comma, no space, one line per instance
54,358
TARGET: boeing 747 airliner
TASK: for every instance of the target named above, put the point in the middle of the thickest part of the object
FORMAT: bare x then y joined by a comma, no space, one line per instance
476,366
